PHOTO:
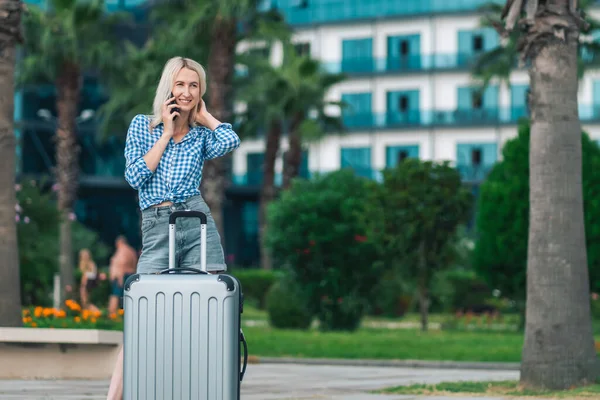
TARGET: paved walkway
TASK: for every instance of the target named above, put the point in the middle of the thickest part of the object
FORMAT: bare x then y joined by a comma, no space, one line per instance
283,382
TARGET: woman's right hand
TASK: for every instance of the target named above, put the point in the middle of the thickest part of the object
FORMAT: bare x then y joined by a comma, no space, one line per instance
167,116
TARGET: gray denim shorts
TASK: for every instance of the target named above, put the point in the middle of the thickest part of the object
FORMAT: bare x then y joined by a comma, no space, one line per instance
155,239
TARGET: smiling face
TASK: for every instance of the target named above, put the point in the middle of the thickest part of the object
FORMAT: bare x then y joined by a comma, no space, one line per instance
186,89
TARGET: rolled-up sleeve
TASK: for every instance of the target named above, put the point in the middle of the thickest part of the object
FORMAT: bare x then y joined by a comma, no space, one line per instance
221,141
136,170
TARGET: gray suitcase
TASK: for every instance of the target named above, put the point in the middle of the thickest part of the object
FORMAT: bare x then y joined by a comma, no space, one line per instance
182,332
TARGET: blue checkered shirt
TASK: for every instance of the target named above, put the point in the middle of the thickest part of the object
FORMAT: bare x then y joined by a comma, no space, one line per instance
179,171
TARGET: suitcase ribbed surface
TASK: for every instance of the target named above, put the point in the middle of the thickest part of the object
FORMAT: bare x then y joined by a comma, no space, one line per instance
181,338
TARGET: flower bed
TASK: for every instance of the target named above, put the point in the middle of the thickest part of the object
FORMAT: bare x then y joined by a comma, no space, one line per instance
72,316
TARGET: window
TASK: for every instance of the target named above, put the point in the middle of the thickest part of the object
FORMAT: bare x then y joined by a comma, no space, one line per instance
403,103
302,3
404,48
477,43
254,166
402,155
359,159
476,157
394,155
302,49
477,101
260,52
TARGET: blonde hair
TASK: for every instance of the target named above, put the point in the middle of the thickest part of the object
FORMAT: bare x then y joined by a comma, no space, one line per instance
165,86
86,263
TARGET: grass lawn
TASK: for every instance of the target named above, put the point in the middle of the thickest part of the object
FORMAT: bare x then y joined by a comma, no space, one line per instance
382,343
500,388
405,344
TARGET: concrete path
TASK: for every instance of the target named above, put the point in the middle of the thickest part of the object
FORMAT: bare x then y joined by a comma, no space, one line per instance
282,382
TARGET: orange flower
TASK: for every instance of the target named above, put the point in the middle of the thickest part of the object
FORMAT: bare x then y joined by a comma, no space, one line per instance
48,312
60,314
33,324
121,311
25,312
113,316
97,314
93,320
38,312
86,314
77,319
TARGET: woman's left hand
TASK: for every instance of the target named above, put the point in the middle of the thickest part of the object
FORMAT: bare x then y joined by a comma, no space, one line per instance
203,117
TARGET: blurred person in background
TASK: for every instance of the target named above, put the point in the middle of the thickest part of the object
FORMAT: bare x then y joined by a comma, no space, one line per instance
89,278
122,265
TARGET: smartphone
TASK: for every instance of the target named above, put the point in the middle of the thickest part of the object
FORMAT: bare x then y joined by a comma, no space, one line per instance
174,109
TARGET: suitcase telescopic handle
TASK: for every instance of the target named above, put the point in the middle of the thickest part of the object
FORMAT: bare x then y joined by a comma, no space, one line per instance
187,214
182,269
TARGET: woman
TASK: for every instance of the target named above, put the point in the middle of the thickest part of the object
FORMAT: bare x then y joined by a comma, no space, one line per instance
89,275
164,157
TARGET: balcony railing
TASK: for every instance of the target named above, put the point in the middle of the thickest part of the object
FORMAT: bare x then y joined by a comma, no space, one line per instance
410,63
417,118
474,173
299,12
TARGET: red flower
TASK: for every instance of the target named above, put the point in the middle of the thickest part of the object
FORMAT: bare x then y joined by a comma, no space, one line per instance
312,242
306,251
360,238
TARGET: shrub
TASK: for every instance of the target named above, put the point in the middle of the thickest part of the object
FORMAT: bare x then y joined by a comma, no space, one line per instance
459,289
415,220
392,296
287,306
256,284
316,229
500,254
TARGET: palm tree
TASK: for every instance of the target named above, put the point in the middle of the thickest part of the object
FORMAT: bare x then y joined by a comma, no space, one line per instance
558,352
212,29
218,20
10,296
310,84
62,42
258,89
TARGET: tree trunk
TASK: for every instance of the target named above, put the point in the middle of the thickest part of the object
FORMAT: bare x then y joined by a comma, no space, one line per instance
293,157
10,293
558,352
267,190
67,166
423,289
220,72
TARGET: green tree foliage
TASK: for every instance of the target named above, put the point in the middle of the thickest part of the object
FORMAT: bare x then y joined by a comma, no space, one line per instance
500,253
414,220
316,230
38,222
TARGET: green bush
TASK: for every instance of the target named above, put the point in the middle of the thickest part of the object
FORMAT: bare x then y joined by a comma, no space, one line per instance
500,254
415,220
37,230
256,284
460,289
316,228
287,306
392,296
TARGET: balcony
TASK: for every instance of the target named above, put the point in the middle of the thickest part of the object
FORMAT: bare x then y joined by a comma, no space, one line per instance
304,12
433,118
405,64
474,173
